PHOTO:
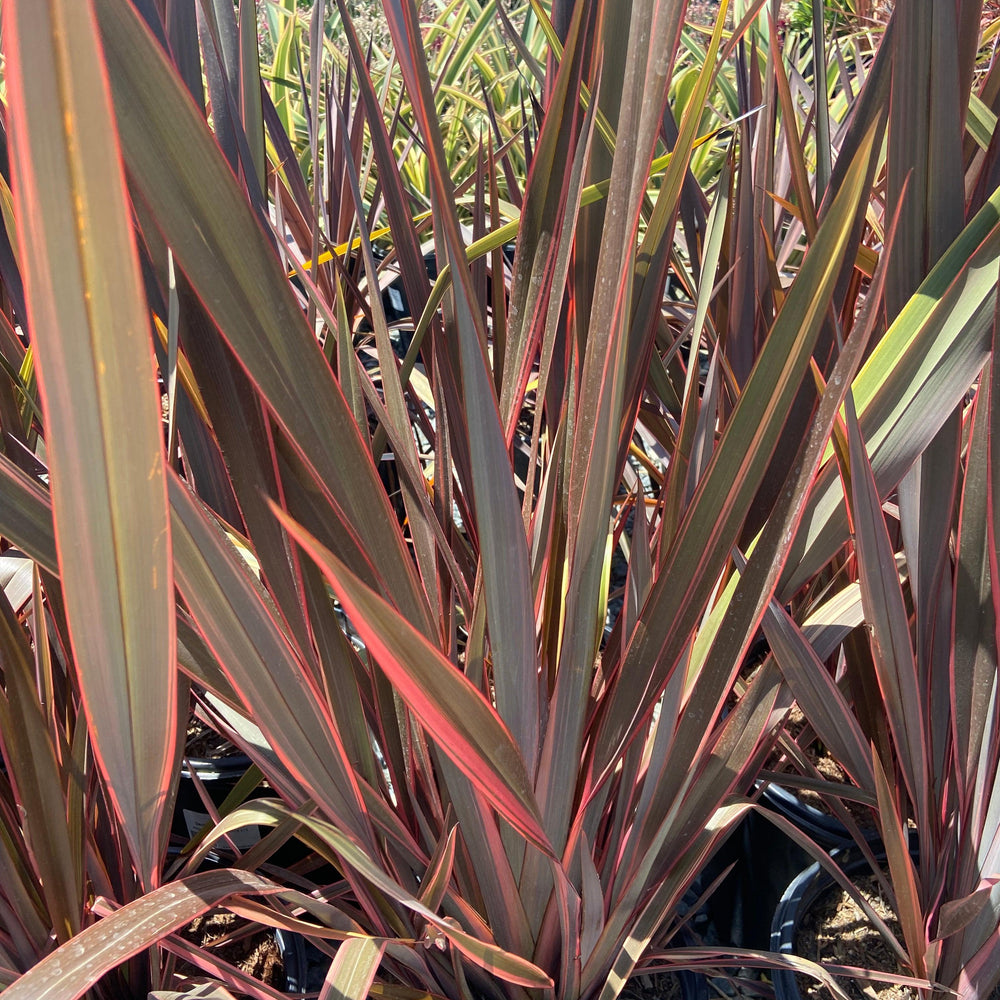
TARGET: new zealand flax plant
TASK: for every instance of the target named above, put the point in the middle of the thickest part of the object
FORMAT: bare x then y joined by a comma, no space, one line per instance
533,523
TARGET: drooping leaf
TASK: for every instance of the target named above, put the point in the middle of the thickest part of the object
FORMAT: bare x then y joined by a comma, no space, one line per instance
70,971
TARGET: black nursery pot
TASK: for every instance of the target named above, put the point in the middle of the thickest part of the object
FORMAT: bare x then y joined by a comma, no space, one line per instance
219,777
798,899
764,860
802,893
826,830
694,985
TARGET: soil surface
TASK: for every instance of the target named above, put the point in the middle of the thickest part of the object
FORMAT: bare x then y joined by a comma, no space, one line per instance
837,931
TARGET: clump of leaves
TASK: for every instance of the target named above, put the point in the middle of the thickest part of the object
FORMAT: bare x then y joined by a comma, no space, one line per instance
512,801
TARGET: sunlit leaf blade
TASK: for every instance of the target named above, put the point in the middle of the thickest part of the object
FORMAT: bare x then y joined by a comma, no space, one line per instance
353,968
447,704
541,221
606,268
505,965
740,608
71,970
95,364
206,991
813,687
435,883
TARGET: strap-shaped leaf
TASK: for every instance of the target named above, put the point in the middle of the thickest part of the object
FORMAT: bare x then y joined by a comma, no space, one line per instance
512,968
503,545
260,663
919,371
353,968
448,705
90,332
713,520
974,647
71,970
26,516
885,613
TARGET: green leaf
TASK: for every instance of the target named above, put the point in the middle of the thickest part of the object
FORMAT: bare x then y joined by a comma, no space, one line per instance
916,375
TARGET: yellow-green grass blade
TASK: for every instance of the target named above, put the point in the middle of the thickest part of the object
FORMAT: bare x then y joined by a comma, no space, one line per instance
91,335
